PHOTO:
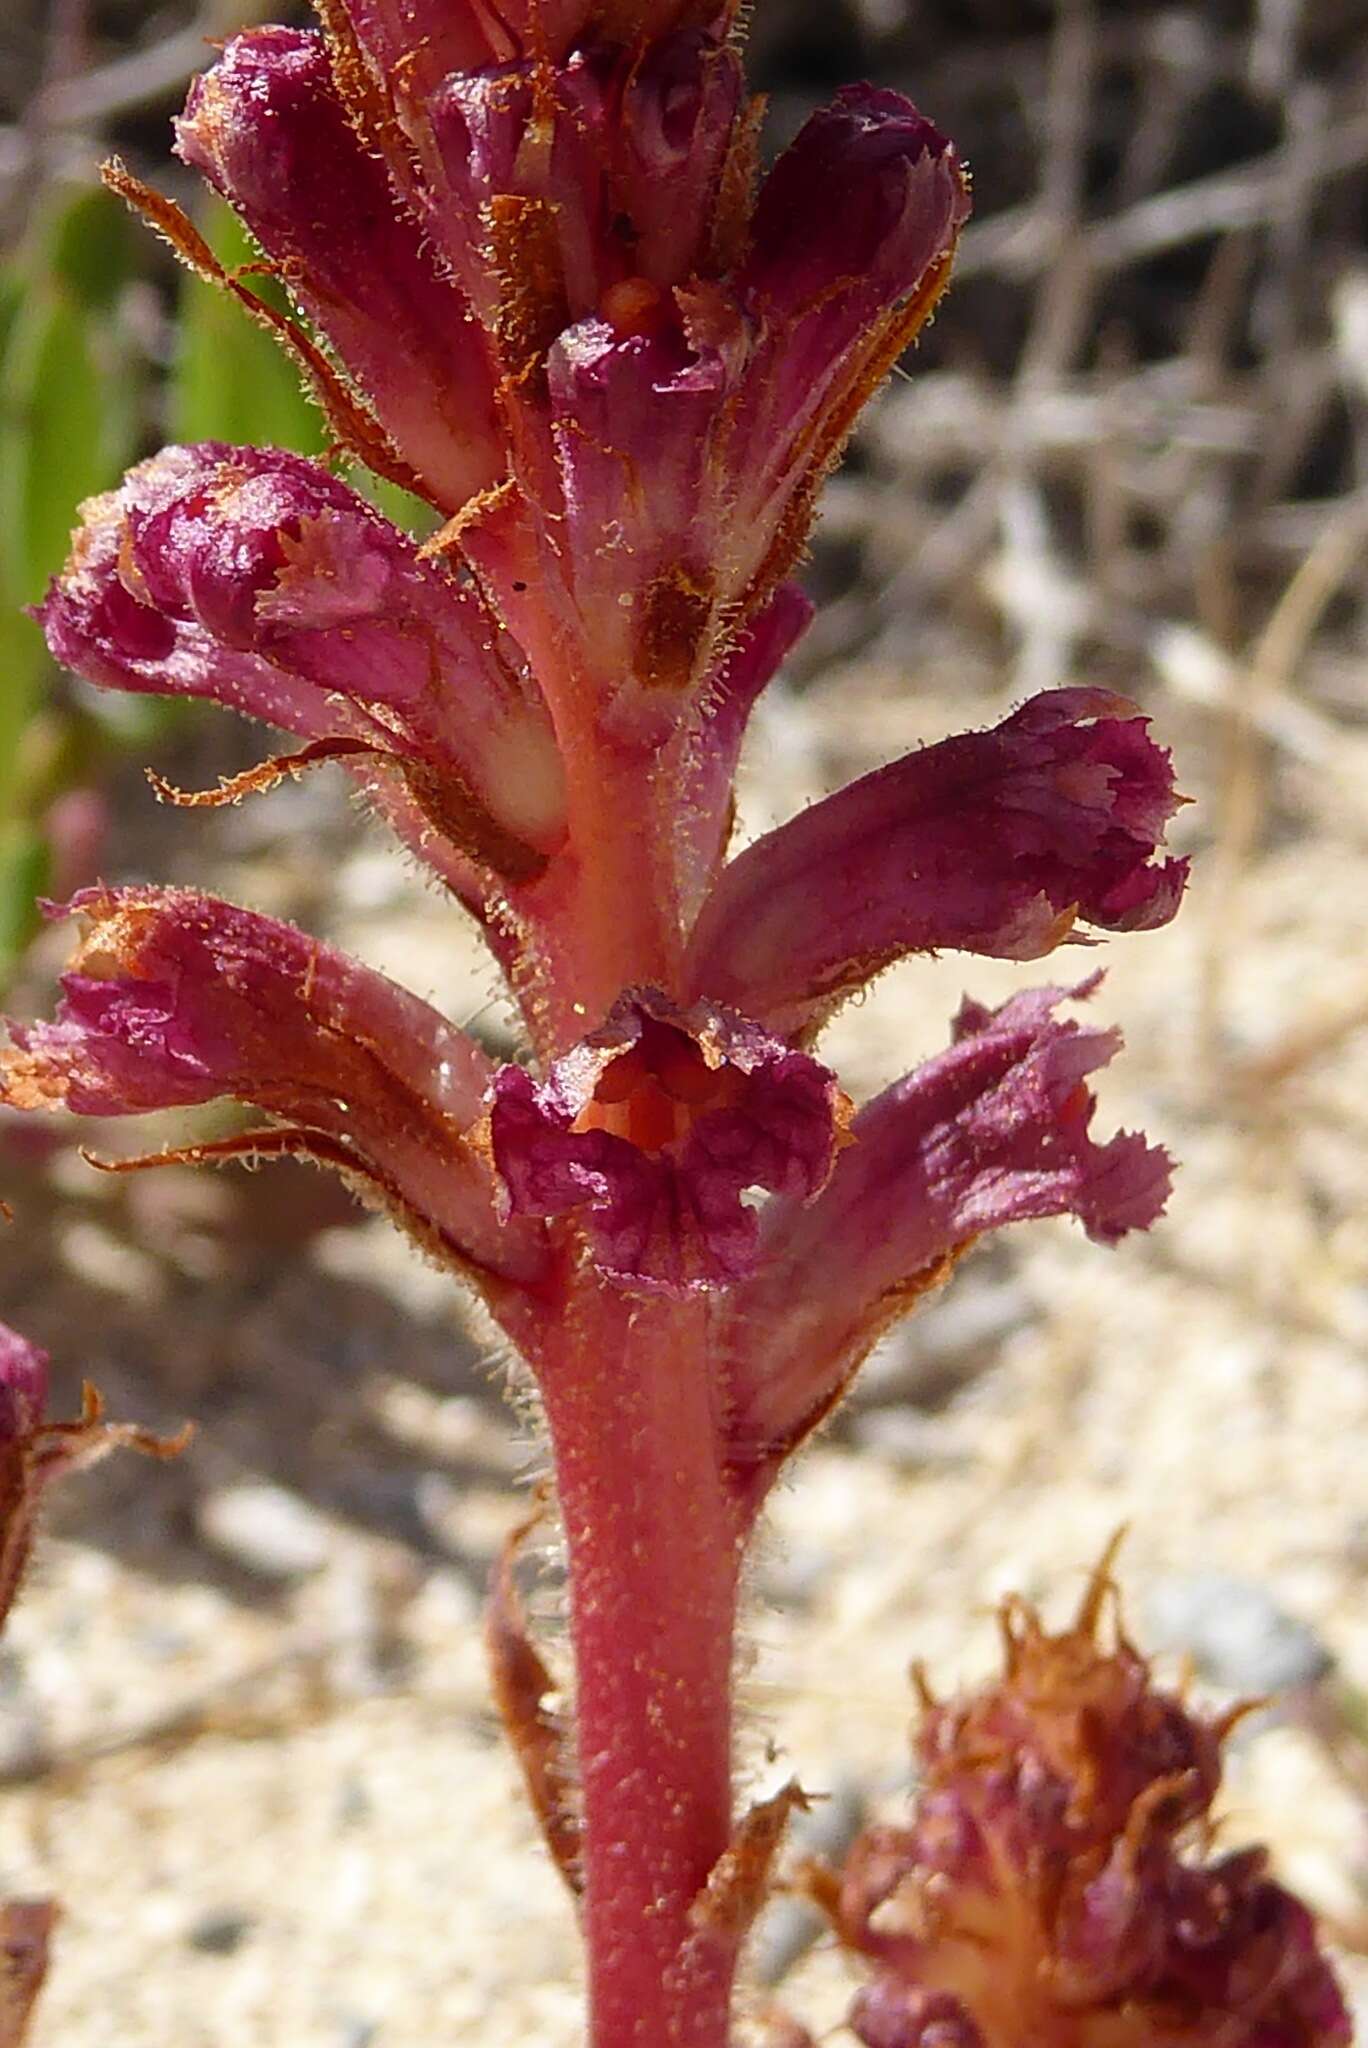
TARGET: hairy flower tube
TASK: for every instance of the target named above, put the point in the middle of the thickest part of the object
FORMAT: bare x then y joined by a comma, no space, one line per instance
1059,1880
541,282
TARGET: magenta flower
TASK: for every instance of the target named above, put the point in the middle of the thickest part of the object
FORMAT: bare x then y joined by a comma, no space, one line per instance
995,843
255,578
537,282
176,998
994,1131
654,1128
268,131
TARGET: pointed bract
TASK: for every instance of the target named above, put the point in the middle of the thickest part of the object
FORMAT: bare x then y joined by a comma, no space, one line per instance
710,748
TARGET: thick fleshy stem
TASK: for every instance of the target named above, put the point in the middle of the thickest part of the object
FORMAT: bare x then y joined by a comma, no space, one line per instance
654,1535
622,915
653,1550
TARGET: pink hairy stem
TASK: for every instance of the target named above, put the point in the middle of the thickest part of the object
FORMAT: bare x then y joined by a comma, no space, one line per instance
653,1549
652,1534
621,932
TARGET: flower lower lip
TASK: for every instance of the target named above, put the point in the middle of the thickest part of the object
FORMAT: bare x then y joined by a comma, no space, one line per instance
702,1109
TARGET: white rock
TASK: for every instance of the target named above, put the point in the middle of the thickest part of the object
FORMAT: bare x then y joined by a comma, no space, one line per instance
266,1530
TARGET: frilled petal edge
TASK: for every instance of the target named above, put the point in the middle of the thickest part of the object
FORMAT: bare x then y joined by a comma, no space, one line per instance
995,1130
654,1130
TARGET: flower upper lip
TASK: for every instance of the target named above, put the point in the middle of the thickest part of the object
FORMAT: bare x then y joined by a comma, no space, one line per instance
266,128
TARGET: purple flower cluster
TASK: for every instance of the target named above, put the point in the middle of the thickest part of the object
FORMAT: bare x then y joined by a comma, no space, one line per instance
1057,1881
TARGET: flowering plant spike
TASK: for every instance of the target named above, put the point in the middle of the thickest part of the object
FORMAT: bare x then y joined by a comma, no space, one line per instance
540,282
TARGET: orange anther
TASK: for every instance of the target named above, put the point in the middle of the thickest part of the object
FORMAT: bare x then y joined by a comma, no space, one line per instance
632,306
